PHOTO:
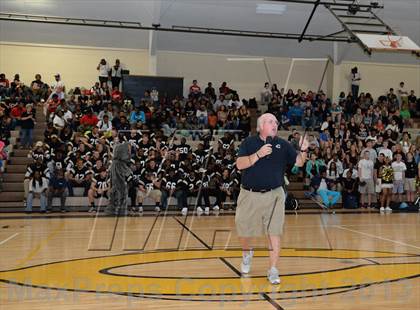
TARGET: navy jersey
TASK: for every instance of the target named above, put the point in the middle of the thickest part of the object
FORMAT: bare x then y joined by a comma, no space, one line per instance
205,181
193,183
170,183
147,183
226,183
145,147
228,163
92,138
137,175
42,169
40,153
218,158
155,171
133,139
80,173
183,150
101,183
200,156
59,163
226,143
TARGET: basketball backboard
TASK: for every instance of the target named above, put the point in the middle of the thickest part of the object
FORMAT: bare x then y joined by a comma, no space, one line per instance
388,43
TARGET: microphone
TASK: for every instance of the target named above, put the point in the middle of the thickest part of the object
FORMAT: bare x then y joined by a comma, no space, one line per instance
269,140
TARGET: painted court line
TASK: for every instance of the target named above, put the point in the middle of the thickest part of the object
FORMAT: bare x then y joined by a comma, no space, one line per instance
36,249
11,237
376,237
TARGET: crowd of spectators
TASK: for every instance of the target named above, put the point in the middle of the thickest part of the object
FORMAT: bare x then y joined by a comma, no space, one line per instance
354,141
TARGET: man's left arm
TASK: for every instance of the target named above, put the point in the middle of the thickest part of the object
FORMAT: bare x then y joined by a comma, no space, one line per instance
302,153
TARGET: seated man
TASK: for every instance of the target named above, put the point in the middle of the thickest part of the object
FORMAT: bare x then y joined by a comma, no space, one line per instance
149,186
79,176
57,188
349,191
99,188
319,184
225,184
38,186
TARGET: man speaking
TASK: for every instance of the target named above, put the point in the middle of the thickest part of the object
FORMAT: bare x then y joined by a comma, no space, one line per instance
263,160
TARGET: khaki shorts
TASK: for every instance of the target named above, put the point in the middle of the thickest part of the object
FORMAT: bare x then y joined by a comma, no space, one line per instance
369,188
259,214
410,185
154,194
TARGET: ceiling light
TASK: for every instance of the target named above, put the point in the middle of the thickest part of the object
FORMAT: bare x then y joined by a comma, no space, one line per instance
244,59
269,8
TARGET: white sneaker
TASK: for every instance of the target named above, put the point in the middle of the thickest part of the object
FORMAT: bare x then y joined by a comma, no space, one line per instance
246,261
91,209
140,209
273,276
199,210
216,208
206,210
184,211
382,209
157,209
388,209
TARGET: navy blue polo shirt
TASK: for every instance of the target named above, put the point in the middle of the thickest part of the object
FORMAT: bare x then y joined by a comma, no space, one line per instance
266,173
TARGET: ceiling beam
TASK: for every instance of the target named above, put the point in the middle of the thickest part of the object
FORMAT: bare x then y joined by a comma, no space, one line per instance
152,34
15,17
334,3
309,20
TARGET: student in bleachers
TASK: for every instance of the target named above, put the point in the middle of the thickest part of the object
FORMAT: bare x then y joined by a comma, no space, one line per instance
99,188
366,180
149,186
333,176
399,168
79,175
58,87
386,174
27,124
57,188
38,186
3,160
411,174
319,183
349,191
313,168
38,166
226,184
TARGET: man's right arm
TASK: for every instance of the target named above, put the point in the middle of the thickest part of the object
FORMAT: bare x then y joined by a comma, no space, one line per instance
245,162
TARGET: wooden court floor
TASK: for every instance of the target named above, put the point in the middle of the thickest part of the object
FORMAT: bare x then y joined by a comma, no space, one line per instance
328,261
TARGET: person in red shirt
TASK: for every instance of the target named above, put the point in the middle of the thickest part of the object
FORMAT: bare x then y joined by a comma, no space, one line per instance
224,89
16,114
52,105
89,120
195,90
116,95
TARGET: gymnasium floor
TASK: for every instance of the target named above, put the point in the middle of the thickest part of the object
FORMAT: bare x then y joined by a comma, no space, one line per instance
329,261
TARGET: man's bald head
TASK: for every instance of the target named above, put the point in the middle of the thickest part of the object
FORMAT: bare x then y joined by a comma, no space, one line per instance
267,125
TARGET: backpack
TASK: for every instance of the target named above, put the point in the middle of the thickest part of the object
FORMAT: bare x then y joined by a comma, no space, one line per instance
291,202
350,202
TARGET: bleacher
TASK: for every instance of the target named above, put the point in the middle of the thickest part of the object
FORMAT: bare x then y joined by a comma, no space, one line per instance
11,198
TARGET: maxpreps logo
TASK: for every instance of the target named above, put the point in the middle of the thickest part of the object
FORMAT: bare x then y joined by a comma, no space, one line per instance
154,275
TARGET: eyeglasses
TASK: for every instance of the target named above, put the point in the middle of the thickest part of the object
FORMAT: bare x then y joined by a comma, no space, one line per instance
272,121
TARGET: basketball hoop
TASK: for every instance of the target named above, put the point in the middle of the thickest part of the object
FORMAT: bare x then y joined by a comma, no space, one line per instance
392,41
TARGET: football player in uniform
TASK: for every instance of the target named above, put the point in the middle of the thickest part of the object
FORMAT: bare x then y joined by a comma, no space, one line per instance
149,186
79,176
99,188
